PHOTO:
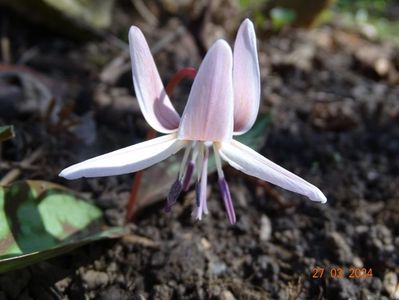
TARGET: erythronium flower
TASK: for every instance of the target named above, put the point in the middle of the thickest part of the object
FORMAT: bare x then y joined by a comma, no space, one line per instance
224,101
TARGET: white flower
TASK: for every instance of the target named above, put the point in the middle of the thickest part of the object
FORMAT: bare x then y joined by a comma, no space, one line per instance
223,102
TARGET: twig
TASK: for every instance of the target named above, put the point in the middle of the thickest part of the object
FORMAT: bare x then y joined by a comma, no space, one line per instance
5,42
143,241
169,38
17,164
120,65
14,173
5,49
143,10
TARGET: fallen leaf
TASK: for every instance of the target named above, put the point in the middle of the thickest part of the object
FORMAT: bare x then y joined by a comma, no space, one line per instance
39,220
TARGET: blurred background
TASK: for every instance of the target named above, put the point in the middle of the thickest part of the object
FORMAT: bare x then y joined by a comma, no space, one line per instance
329,113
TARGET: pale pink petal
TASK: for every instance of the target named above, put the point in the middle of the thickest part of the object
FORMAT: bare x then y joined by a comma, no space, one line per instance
208,115
246,78
153,100
126,160
252,163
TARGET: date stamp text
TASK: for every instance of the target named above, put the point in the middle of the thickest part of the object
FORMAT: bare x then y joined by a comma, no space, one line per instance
340,272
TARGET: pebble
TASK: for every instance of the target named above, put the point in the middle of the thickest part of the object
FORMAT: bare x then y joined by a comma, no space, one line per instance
340,247
63,284
113,293
226,295
265,229
95,279
391,285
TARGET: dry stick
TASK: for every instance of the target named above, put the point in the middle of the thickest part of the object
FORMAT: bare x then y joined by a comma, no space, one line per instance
140,240
143,10
186,72
14,173
5,49
119,65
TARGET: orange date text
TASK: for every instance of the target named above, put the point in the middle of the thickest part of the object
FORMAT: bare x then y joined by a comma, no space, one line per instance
340,272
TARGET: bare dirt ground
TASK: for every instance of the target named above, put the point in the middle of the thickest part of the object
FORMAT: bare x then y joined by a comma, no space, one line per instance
334,100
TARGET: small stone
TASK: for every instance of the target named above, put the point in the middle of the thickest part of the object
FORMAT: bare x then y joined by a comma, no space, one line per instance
217,268
112,267
340,247
391,285
357,262
113,216
63,284
113,293
162,292
265,229
205,244
99,265
226,295
95,279
214,290
138,296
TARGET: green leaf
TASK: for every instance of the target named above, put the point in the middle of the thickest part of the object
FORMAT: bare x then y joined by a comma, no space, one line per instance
39,220
251,4
256,137
6,133
282,17
166,171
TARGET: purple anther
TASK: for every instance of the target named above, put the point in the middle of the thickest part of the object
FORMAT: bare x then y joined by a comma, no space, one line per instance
228,204
197,193
188,175
174,193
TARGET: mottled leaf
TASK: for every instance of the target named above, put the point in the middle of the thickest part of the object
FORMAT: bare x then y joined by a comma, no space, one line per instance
39,220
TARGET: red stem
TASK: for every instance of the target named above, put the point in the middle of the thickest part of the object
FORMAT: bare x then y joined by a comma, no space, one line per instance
151,133
179,76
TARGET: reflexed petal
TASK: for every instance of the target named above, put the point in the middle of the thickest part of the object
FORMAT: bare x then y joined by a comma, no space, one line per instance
246,78
153,100
126,160
208,115
252,163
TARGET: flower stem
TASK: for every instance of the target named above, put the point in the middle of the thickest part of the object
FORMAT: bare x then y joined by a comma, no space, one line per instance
179,76
134,191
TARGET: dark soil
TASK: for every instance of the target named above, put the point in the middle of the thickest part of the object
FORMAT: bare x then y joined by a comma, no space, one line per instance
334,100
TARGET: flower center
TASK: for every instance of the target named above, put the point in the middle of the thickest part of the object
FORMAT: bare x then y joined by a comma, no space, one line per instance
199,160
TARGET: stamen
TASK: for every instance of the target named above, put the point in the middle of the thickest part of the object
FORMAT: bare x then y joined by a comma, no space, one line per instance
197,194
188,166
188,175
224,188
228,204
203,208
184,161
218,161
174,193
199,153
